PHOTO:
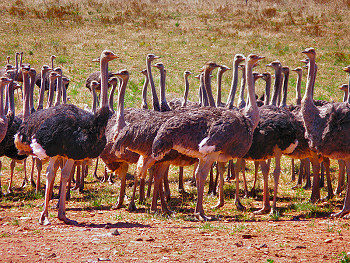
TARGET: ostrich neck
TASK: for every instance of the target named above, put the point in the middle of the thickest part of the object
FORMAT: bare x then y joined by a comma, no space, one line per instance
267,91
186,91
144,94
345,97
94,100
104,83
231,96
16,58
31,98
276,87
120,112
10,94
58,90
26,87
348,93
252,111
203,92
298,90
241,90
2,86
111,96
42,90
314,80
7,98
207,87
51,93
218,95
155,100
64,93
285,90
164,103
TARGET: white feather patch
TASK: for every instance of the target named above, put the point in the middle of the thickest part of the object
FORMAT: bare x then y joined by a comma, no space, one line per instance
205,149
38,150
291,147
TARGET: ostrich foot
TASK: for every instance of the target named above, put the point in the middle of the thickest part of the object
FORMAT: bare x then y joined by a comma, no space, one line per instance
192,182
314,199
296,186
246,194
274,211
183,192
328,197
43,220
117,206
66,220
263,210
239,206
307,186
132,207
24,183
9,191
32,183
218,205
253,192
202,217
341,213
110,180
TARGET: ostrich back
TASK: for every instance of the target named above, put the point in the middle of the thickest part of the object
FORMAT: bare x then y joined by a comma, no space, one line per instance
276,127
66,130
335,140
195,133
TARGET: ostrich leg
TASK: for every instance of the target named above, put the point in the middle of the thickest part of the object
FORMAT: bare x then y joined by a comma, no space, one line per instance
265,168
12,167
346,207
50,176
221,171
315,195
65,175
327,164
256,170
341,177
39,167
293,170
238,204
276,176
122,175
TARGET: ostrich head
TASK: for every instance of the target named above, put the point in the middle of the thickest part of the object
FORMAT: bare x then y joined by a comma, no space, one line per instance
159,66
285,70
266,76
275,65
298,70
239,58
344,87
223,68
95,85
4,81
151,57
144,72
187,73
253,59
256,76
113,81
347,69
107,55
310,52
123,74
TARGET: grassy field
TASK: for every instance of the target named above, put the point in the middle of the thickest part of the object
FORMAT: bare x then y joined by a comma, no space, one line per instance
185,34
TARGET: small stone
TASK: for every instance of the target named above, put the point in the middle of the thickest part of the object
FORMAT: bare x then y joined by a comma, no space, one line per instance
328,240
139,239
300,247
115,232
239,244
247,236
103,259
151,239
49,255
262,245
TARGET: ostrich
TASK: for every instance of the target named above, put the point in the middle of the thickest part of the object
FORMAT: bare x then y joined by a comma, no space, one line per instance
7,146
4,122
324,126
66,132
212,134
44,71
163,103
183,102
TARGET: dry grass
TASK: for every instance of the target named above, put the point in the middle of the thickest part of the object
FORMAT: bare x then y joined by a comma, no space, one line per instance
185,34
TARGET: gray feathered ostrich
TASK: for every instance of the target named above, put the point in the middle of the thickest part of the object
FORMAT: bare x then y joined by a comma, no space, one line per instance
210,134
327,128
66,132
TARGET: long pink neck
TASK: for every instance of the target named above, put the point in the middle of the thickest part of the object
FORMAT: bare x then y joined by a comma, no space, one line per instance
155,100
251,109
184,102
42,89
120,112
104,83
207,85
26,87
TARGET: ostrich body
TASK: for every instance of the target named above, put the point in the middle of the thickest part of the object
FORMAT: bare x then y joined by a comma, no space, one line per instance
325,126
210,134
66,132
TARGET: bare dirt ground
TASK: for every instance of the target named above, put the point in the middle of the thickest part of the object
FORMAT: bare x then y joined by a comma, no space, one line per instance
104,234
